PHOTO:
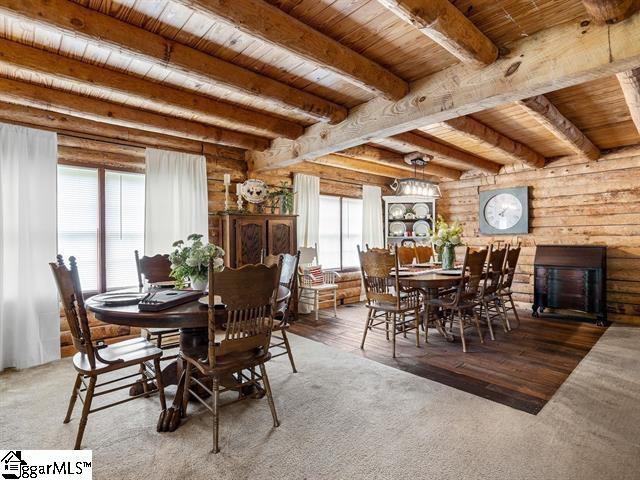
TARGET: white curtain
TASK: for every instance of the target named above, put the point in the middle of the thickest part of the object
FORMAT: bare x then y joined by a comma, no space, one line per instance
372,227
176,203
307,206
29,312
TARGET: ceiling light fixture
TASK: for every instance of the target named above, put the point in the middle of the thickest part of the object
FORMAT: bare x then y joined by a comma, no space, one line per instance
415,186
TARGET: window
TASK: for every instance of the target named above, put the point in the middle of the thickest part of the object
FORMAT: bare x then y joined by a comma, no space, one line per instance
340,231
104,236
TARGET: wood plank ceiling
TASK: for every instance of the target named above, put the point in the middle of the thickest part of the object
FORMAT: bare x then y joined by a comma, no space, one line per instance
246,72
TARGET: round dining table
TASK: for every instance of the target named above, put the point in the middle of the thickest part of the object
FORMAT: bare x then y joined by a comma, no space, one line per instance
191,319
430,282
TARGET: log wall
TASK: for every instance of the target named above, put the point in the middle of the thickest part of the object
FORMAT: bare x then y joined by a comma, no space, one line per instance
573,202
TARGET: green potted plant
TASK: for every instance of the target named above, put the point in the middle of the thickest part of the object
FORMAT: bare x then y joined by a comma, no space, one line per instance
190,263
282,194
445,238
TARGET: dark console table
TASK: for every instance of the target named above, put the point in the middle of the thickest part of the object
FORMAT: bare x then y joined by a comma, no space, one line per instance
571,277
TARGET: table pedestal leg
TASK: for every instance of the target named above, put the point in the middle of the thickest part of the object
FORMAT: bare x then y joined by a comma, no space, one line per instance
438,322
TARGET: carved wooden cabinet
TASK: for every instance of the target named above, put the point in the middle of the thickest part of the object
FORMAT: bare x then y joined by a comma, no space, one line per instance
571,277
243,237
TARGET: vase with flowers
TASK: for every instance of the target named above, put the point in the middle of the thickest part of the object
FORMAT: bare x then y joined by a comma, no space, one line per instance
190,262
446,238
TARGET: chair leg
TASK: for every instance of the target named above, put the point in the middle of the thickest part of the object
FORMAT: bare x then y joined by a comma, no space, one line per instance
461,324
503,308
160,384
394,334
366,327
216,394
316,304
74,396
335,303
286,344
515,312
489,324
476,319
386,325
267,388
417,313
85,411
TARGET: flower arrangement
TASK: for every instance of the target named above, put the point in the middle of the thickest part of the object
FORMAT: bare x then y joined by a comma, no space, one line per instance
191,262
445,238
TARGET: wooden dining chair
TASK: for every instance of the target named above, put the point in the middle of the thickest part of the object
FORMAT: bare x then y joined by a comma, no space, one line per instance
423,253
490,306
283,312
406,255
96,359
158,269
505,294
249,295
462,303
388,304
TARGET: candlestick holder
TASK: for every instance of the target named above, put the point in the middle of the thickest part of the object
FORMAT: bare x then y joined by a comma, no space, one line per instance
227,203
239,202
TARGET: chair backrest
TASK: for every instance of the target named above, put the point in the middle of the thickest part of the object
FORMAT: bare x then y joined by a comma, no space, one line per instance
473,268
406,255
154,269
70,292
308,255
510,266
495,265
423,253
249,294
289,267
381,282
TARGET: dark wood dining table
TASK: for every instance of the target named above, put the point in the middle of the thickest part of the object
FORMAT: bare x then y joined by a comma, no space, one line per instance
191,319
430,282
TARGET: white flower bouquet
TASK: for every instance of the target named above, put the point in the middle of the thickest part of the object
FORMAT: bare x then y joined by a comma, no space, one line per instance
191,262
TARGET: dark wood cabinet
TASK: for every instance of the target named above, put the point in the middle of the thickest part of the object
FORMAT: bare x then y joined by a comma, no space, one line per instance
243,237
572,278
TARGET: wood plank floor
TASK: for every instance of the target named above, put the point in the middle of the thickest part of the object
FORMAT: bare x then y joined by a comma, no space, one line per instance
521,369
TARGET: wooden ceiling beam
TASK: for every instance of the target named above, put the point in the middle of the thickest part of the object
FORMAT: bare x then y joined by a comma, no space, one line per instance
443,23
540,108
610,11
222,114
71,126
414,142
70,18
630,84
363,166
555,58
271,25
387,157
479,132
36,96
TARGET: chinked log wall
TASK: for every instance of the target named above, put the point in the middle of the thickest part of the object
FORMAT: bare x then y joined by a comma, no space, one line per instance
571,202
82,152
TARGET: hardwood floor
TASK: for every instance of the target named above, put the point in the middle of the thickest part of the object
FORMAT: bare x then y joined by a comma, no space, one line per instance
521,369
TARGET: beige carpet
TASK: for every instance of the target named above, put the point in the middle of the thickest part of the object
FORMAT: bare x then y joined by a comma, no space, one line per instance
347,417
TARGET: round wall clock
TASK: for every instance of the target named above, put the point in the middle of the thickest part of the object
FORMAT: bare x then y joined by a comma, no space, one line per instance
504,211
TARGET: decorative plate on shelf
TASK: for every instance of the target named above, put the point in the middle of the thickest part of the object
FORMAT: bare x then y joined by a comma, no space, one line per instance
421,228
255,191
421,210
397,229
409,216
396,211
